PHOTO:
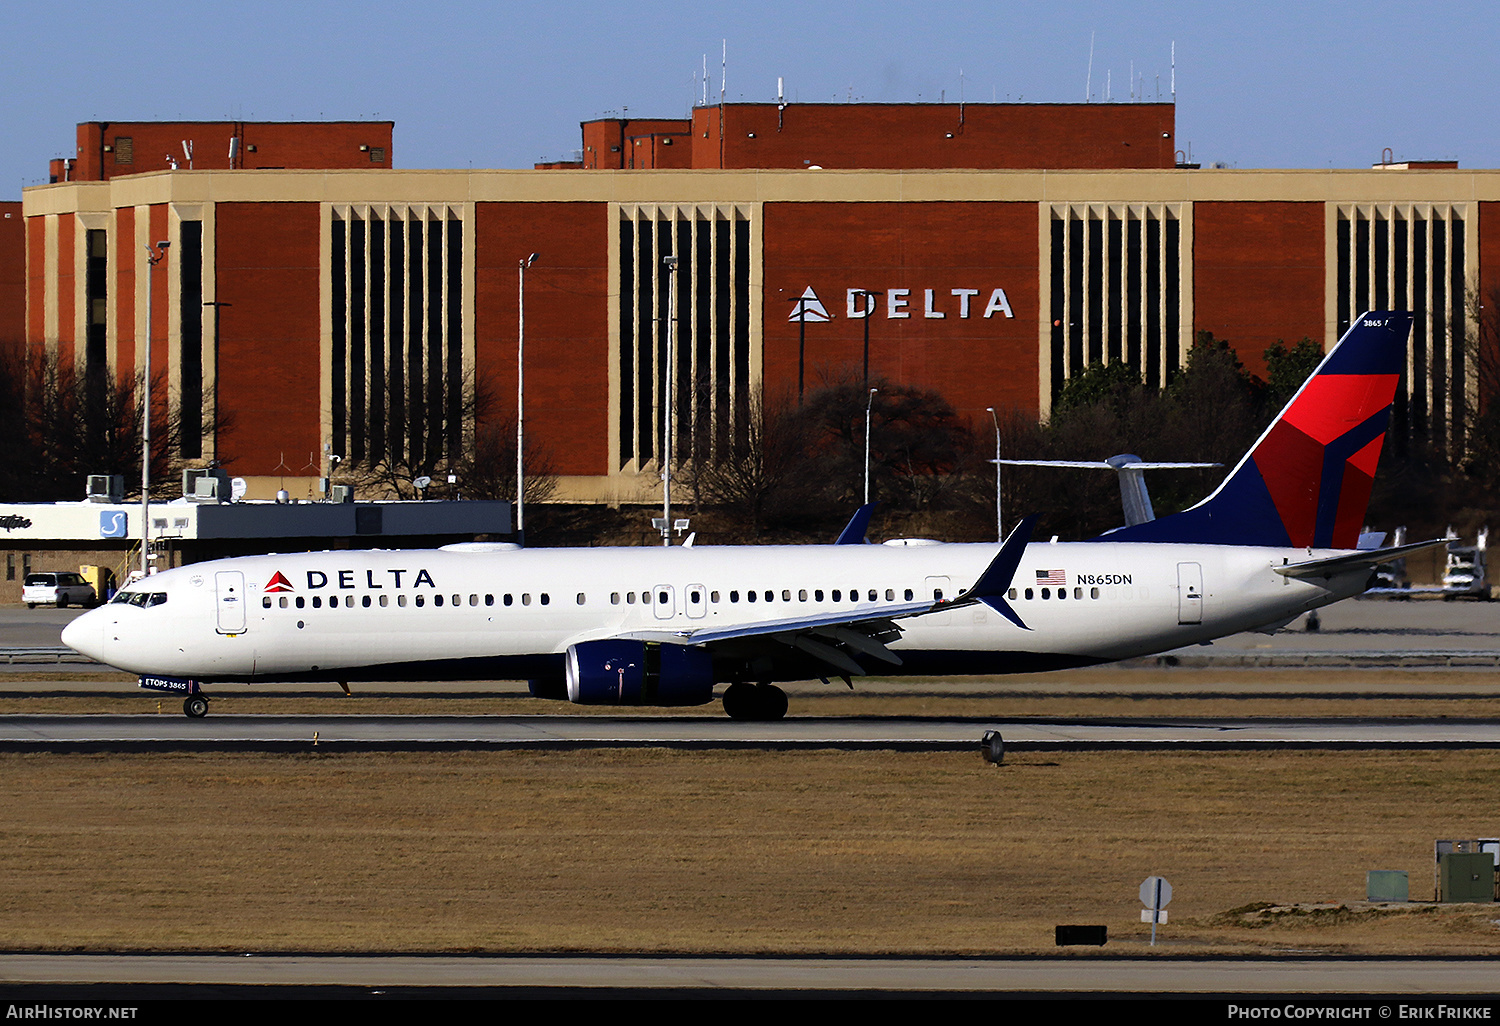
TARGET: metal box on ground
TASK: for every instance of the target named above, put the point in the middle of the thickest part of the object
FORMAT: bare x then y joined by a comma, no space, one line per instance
1466,877
1387,885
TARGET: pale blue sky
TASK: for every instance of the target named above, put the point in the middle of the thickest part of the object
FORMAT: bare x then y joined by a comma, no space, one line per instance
501,84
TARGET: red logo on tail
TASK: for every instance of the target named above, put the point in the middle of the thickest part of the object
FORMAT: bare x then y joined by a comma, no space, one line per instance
279,583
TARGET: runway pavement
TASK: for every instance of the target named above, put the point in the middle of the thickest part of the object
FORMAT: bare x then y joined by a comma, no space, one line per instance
279,733
1078,975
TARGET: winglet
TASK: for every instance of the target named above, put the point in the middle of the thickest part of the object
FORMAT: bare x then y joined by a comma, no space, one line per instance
854,532
995,581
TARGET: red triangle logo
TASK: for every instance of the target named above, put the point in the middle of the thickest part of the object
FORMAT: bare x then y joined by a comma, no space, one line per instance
279,583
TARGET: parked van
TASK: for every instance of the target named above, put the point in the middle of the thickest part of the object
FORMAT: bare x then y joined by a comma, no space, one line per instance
60,588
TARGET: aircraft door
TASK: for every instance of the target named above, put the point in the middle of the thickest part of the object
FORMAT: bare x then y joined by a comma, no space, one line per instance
697,600
229,594
1189,593
663,602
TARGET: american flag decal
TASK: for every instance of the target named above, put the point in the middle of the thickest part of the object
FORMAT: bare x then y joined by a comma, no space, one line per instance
1059,577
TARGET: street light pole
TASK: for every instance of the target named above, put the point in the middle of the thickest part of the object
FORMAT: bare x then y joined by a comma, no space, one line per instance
670,263
869,401
999,531
865,295
521,401
153,257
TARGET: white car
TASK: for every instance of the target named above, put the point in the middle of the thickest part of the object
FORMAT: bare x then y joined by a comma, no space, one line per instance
62,588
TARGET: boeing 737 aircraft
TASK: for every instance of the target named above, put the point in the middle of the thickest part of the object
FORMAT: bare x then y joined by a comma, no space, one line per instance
663,626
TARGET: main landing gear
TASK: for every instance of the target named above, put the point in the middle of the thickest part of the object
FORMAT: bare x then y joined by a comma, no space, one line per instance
746,701
195,706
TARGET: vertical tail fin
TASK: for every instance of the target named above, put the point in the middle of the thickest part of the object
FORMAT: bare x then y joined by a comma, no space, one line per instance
1306,482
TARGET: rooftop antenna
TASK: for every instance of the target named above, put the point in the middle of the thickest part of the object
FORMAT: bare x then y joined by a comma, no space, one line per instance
780,100
1174,71
1088,87
960,97
705,80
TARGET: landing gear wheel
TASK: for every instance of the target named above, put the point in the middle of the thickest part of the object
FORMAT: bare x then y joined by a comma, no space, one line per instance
739,701
758,702
772,702
196,706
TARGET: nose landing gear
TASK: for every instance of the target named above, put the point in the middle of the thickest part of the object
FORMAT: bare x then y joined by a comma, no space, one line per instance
195,706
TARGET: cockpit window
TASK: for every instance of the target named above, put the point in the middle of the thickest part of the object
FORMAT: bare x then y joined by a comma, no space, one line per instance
140,598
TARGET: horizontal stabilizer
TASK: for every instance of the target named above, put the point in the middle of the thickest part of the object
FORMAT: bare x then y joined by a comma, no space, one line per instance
1367,559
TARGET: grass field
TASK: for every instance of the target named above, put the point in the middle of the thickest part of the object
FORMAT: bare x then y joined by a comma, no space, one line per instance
653,850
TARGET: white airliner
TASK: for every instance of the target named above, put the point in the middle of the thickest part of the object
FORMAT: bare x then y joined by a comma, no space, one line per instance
663,626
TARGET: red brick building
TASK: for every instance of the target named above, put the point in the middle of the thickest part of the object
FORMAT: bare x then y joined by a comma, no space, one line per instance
1002,247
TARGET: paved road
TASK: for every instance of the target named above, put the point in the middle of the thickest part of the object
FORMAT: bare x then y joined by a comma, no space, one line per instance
1415,977
278,732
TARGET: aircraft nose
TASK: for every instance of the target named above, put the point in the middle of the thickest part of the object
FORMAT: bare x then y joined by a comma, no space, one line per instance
85,635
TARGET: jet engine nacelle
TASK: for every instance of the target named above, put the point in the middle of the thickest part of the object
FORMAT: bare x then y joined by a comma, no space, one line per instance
638,673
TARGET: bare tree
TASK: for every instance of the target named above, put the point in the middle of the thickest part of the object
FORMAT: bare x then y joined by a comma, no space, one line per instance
398,448
489,471
65,425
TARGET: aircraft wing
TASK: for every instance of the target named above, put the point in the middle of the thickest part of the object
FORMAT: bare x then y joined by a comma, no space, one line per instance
834,637
1366,559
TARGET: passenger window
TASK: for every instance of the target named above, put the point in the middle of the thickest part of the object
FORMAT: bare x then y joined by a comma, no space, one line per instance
283,603
265,600
890,594
348,601
910,595
317,602
400,601
419,600
630,598
458,600
1093,593
546,598
614,598
437,600
713,596
300,602
802,595
580,598
1062,593
837,594
1028,594
473,600
1046,593
1078,593
770,596
786,596
508,600
385,600
525,598
734,596
749,596
818,595
874,595
937,594
365,601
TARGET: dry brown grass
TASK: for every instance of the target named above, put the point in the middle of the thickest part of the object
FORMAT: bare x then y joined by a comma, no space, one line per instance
653,850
